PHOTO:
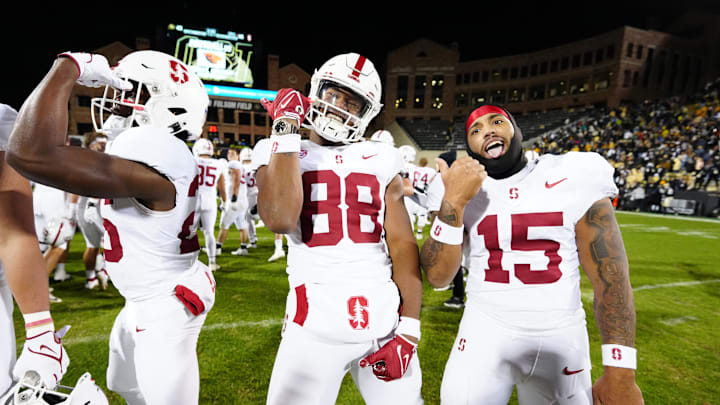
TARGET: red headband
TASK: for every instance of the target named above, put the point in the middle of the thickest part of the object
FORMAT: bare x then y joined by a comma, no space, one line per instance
480,111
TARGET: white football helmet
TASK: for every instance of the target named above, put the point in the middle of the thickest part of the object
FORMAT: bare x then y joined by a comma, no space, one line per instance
30,391
245,154
58,231
383,136
166,94
408,153
351,73
203,147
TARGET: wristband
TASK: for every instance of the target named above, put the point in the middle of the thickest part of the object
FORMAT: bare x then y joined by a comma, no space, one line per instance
409,326
619,356
447,234
37,323
285,143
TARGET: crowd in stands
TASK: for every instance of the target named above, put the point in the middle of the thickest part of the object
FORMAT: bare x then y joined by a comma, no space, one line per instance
657,147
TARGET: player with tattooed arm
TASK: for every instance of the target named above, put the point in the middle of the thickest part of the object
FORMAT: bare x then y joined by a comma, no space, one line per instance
530,225
353,265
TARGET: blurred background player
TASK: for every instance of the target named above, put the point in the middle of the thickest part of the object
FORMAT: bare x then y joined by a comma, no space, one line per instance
90,223
383,136
351,250
210,179
416,181
23,276
152,106
234,205
251,211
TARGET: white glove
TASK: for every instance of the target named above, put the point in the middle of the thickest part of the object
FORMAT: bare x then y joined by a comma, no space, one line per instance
95,71
44,354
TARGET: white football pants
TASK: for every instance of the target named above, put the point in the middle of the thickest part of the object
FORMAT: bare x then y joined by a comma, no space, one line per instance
487,361
7,335
153,358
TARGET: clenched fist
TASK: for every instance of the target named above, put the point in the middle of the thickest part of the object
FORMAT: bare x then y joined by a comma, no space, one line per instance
462,180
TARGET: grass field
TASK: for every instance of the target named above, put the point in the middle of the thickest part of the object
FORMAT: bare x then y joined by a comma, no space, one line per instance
675,272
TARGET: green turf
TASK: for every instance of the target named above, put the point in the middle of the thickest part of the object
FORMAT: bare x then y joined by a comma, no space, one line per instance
678,326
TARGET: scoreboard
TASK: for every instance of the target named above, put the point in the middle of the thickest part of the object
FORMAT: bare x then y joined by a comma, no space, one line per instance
218,56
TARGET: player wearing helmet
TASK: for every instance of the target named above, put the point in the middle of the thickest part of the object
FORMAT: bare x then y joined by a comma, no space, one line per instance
235,204
339,202
382,135
147,178
24,277
211,179
529,226
245,158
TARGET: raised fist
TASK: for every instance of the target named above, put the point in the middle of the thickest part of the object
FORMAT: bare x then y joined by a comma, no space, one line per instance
95,71
463,179
288,103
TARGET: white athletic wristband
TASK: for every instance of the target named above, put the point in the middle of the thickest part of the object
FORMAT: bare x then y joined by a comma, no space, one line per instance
619,356
38,322
447,234
285,143
409,326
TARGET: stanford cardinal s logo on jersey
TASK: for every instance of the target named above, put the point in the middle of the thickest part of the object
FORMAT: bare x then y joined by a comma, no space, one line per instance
358,310
178,72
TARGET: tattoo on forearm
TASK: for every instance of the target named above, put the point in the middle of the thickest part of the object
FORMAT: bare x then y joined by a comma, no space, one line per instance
614,309
431,248
448,214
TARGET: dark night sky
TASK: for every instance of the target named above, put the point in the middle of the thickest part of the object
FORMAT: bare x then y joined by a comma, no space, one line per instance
287,29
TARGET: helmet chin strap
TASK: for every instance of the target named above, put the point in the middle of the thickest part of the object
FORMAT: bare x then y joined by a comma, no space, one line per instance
510,162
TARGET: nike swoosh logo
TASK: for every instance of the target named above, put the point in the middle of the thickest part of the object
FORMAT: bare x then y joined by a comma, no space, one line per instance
551,185
56,358
138,329
568,372
368,157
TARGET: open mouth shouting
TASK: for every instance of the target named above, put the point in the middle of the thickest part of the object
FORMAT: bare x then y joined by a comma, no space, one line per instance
494,148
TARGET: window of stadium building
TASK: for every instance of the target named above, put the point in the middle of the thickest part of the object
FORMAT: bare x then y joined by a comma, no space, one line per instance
524,71
554,66
419,97
402,92
565,63
497,97
513,72
557,89
478,99
537,93
599,55
461,100
228,116
212,114
517,95
602,80
579,86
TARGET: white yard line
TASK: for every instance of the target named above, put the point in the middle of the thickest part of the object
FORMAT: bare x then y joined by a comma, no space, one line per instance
667,216
213,326
588,295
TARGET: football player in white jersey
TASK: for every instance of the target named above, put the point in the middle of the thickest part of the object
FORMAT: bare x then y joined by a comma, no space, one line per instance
211,179
351,306
90,223
251,186
23,275
148,179
420,178
235,204
530,225
416,181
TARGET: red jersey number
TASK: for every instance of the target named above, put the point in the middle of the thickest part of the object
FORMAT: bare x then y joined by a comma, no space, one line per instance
488,228
331,207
